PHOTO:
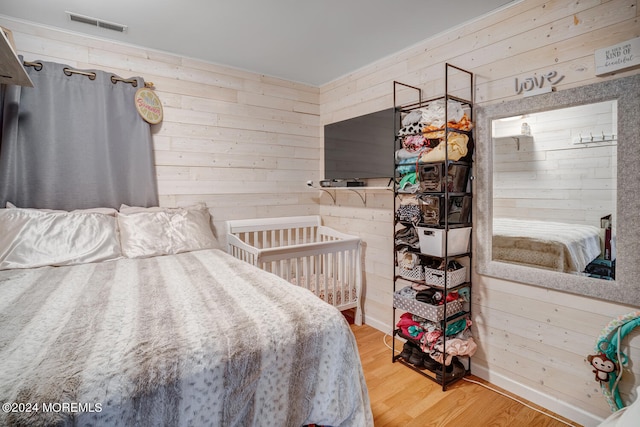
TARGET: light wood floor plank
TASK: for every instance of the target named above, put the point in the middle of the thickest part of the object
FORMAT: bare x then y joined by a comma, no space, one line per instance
401,397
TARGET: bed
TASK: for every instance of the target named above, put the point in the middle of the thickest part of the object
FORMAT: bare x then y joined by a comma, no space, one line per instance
172,333
305,253
550,245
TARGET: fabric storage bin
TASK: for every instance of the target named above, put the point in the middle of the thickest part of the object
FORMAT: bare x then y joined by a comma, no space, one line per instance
432,177
409,266
457,178
435,278
459,209
432,209
409,209
432,241
405,299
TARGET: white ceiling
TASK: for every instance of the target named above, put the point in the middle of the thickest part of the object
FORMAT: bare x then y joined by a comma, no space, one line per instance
306,41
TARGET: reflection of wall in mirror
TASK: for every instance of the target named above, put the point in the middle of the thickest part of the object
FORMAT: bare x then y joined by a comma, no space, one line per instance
551,176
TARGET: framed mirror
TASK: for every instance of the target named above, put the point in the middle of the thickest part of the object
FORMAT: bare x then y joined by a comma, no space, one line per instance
557,190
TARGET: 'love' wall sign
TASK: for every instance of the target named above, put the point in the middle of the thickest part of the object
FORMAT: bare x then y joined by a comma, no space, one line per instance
538,84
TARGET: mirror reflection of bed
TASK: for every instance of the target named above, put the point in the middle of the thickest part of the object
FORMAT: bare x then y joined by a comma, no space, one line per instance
554,189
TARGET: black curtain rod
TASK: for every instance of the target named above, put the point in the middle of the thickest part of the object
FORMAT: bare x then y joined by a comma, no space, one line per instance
69,71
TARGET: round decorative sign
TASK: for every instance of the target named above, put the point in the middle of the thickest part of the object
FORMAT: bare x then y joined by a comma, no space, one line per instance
148,105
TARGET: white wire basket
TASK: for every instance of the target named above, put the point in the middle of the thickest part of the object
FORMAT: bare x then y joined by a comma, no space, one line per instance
435,278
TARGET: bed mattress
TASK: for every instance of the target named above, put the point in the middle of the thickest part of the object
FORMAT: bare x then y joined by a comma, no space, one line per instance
550,245
198,338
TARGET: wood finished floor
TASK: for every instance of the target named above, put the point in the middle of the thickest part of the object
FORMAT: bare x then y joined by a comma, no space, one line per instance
401,397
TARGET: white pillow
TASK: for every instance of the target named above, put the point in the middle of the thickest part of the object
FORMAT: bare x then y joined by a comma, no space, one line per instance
35,238
146,232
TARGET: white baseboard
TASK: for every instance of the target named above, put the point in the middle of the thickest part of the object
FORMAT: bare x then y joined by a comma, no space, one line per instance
536,396
375,323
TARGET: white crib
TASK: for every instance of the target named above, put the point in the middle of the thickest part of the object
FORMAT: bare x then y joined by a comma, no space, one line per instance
304,252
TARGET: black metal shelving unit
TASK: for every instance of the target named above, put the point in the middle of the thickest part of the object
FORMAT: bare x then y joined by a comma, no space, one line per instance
464,80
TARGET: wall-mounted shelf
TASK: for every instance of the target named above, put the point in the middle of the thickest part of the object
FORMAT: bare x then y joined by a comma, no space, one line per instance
12,71
517,138
360,191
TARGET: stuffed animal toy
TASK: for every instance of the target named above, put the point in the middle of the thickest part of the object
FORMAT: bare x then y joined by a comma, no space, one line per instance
609,359
603,366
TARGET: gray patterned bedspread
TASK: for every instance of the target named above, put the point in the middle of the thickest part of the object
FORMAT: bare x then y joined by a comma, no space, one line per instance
194,339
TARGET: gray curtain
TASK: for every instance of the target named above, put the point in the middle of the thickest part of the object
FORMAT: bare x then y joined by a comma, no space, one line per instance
73,143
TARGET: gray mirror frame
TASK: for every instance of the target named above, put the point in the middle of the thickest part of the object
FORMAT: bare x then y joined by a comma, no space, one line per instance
626,288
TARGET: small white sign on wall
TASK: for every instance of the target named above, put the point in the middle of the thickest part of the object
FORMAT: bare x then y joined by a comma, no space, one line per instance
618,57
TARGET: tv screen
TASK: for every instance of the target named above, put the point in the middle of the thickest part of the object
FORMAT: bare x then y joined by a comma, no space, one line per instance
361,147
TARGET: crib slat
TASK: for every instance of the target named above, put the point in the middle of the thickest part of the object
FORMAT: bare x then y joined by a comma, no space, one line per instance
297,272
335,275
316,277
339,283
352,273
326,275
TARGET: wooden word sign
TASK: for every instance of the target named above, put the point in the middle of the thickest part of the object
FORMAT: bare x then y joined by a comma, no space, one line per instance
537,83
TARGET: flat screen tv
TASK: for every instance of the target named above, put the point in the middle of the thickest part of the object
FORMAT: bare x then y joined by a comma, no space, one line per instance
360,148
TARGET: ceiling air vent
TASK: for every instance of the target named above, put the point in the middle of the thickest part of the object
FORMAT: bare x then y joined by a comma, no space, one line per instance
96,22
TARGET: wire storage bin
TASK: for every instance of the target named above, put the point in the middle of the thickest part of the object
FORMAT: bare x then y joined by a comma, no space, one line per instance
435,277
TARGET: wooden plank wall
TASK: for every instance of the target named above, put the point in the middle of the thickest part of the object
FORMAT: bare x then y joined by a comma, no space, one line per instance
246,144
243,143
532,341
